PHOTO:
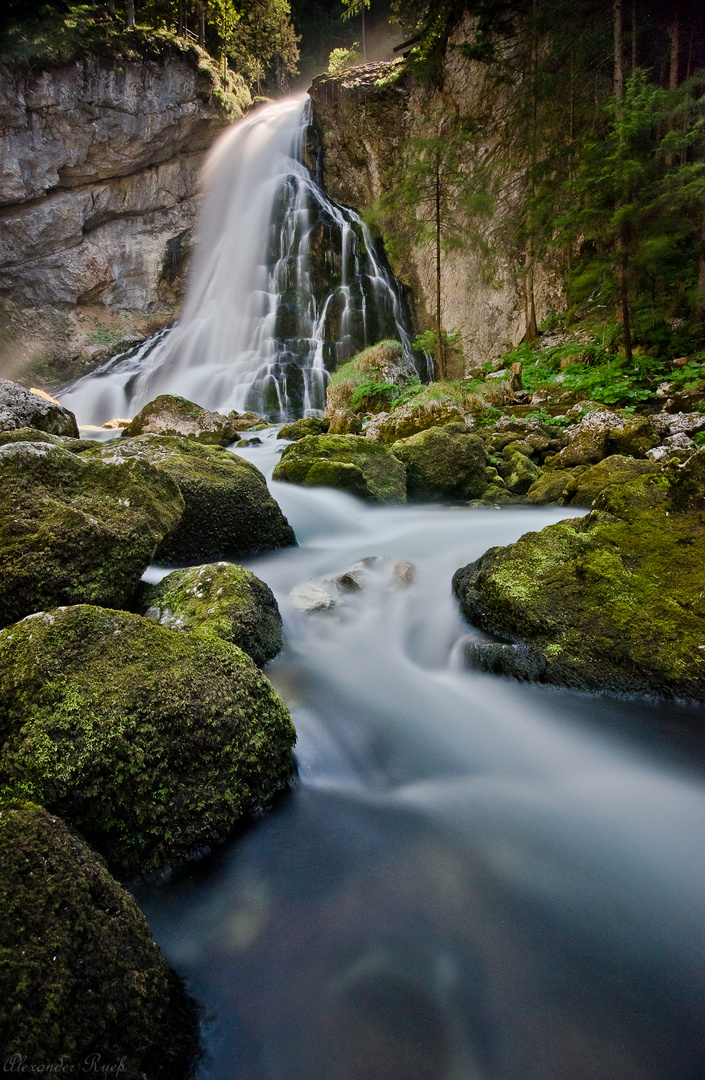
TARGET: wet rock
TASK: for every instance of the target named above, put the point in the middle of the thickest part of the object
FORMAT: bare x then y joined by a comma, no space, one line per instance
116,424
21,408
519,473
80,973
75,529
153,744
169,414
310,598
443,463
348,462
344,422
679,445
583,489
310,425
219,600
404,572
550,487
408,420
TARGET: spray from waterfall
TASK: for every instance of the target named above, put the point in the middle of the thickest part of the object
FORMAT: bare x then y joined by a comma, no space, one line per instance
284,286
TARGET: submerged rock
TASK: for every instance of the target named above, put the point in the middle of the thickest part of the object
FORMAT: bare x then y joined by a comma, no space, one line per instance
443,463
348,462
310,598
169,414
228,508
219,600
75,529
80,974
21,408
613,600
153,744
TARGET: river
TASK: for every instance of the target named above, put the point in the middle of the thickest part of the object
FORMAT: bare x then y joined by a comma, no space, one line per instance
472,879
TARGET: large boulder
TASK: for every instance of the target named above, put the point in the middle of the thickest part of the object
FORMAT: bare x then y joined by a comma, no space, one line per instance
79,972
406,420
613,600
443,463
169,414
219,600
153,744
21,408
603,432
228,509
348,462
583,489
75,529
308,425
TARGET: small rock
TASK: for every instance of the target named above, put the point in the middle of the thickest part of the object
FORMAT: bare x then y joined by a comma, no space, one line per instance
404,572
309,598
114,424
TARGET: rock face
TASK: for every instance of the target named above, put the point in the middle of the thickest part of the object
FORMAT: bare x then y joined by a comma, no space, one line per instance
613,600
20,408
80,974
219,600
98,178
365,117
348,462
152,743
75,529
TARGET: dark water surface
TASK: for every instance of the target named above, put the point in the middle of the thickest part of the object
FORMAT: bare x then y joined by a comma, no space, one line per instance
473,879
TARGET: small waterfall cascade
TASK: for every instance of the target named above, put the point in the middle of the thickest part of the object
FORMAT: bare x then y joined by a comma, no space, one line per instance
285,285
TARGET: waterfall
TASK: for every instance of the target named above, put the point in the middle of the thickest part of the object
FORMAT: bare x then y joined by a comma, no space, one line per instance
284,286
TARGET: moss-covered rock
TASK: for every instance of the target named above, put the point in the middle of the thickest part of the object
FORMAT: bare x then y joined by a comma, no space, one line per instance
348,462
309,425
583,489
409,420
153,744
219,600
75,445
518,471
368,382
21,408
79,972
228,509
550,487
443,463
614,600
633,437
169,414
75,529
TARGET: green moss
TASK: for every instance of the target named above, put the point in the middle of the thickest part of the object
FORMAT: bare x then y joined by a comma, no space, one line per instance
153,744
228,510
620,591
221,601
550,487
583,489
310,425
348,462
443,463
79,972
75,529
170,414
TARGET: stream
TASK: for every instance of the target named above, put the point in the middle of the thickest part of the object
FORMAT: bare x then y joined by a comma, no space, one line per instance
472,879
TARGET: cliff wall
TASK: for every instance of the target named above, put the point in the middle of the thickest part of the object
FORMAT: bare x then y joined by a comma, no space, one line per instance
365,119
98,197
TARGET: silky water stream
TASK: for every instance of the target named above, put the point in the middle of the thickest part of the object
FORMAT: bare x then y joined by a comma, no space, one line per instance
472,879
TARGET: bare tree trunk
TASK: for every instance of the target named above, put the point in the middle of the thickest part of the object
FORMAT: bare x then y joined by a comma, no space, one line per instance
202,25
624,297
674,34
532,330
181,27
111,8
618,62
633,36
130,14
529,302
440,364
364,39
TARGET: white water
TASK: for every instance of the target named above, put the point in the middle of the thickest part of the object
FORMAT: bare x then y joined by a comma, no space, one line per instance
474,879
266,316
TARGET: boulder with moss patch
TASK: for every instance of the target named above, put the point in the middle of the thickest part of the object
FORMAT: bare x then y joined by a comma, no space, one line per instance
518,471
409,420
75,529
79,972
308,425
153,744
228,508
550,486
219,600
21,408
169,414
348,462
613,600
583,489
371,380
443,463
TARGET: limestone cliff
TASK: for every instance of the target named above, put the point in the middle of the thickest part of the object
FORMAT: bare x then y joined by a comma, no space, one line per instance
98,197
365,118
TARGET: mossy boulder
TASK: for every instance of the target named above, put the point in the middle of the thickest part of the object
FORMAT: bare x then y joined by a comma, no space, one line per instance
21,408
443,463
79,972
228,510
348,462
219,600
550,486
614,600
309,425
153,744
169,414
75,529
75,445
407,420
583,489
518,471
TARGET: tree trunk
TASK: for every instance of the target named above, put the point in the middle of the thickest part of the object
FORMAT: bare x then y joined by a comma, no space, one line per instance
633,36
130,14
111,8
364,39
624,297
618,64
529,303
440,365
674,34
532,330
181,26
202,25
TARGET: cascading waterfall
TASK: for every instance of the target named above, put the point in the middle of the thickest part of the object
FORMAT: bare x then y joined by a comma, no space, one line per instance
285,285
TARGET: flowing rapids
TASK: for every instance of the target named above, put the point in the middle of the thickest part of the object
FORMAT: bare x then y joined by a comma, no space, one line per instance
473,879
285,285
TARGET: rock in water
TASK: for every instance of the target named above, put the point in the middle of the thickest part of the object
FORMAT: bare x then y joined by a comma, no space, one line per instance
153,744
219,600
75,529
172,415
80,974
443,463
309,425
614,600
348,462
228,509
20,408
